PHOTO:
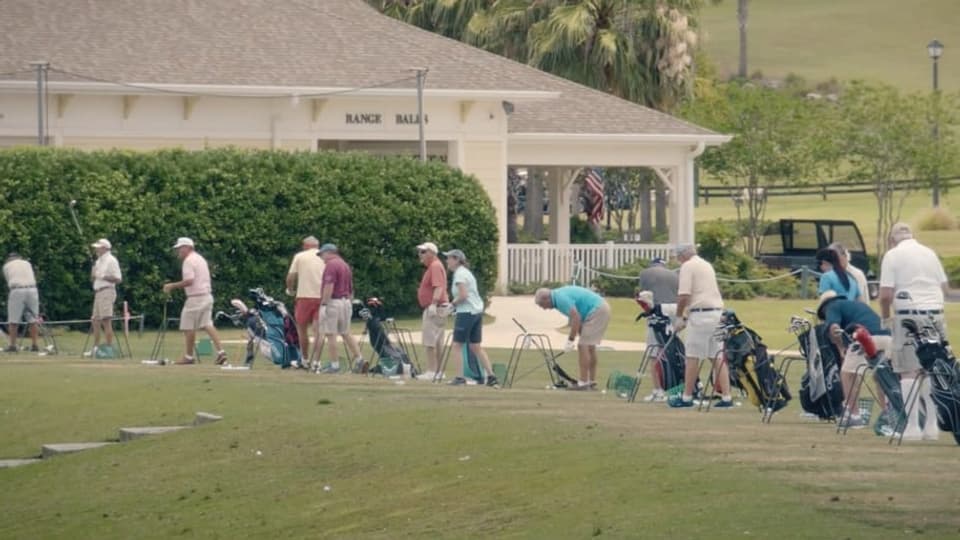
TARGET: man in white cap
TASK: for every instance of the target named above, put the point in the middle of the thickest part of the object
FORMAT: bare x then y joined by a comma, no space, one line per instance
198,309
305,283
104,275
912,288
433,299
23,301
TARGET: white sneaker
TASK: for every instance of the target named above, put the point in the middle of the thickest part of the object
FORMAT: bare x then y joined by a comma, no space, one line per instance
911,436
656,396
92,353
427,376
931,435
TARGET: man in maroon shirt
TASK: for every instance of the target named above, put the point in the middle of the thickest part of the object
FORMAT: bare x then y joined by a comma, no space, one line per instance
337,309
433,299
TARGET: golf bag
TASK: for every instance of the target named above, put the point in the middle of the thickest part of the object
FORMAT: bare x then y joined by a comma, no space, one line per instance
752,369
670,365
271,330
887,381
821,393
391,359
942,370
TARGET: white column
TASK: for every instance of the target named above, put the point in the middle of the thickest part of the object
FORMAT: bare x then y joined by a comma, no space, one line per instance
560,205
686,210
455,154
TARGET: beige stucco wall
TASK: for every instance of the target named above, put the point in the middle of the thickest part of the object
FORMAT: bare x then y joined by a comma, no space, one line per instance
487,160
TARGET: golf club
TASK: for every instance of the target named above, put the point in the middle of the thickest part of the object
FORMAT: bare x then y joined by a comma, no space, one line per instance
73,214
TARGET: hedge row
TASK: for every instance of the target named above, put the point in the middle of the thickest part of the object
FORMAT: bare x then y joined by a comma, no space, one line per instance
247,211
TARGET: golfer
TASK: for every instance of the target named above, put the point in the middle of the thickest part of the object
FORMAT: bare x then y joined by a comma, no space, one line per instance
198,309
23,300
699,308
433,300
835,277
336,304
589,315
653,311
468,325
104,275
912,288
843,254
838,313
660,281
305,282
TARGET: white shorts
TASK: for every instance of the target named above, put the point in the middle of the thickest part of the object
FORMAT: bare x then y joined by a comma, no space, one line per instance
103,301
335,316
23,304
700,338
854,357
434,326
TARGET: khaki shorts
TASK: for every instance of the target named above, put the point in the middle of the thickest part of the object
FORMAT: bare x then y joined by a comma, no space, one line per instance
591,332
434,326
103,301
197,312
903,355
854,357
700,339
335,316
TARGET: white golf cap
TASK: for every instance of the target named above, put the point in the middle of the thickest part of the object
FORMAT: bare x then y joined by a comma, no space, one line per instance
102,243
428,246
183,241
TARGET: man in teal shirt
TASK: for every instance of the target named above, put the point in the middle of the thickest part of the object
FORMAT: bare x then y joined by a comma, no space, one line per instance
588,314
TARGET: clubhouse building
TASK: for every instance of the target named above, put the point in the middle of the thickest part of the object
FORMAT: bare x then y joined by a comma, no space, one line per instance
328,75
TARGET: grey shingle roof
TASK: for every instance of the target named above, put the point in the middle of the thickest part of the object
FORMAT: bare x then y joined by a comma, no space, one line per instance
288,43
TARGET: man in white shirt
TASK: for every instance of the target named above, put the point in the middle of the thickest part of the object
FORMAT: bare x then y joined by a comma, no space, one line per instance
305,283
23,301
699,308
912,288
104,275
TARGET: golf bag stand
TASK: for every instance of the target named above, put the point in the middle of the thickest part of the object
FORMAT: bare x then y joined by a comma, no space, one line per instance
558,377
156,353
404,337
471,370
654,351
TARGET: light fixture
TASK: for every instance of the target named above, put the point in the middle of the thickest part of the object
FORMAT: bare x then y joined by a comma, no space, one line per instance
935,49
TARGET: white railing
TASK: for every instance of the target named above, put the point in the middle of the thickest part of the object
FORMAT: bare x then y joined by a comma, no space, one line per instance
538,263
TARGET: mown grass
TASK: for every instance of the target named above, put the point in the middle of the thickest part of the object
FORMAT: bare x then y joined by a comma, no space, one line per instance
879,40
417,460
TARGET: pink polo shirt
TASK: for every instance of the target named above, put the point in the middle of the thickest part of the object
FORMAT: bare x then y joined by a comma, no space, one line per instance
195,267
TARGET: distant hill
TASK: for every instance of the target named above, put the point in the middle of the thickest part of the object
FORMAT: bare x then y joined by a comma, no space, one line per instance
881,40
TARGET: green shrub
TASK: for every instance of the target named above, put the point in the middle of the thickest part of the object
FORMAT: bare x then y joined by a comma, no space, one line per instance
716,238
936,219
247,211
580,232
622,287
952,267
530,288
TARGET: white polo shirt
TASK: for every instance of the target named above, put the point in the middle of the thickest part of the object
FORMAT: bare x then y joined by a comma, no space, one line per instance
308,267
698,279
19,273
914,268
106,266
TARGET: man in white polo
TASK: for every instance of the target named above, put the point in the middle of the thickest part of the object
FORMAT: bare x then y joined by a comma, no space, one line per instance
912,288
305,282
198,308
23,301
104,275
699,308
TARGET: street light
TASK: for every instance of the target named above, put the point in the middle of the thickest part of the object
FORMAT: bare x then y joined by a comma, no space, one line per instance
935,51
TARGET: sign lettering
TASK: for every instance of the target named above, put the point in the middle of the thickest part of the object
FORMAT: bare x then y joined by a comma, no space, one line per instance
364,118
411,119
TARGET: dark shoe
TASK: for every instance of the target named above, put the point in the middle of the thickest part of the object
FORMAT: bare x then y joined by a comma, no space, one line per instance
679,403
185,361
492,382
11,349
34,348
221,358
458,381
723,404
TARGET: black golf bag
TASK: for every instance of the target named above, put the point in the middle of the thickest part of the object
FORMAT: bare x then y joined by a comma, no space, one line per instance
670,364
391,359
271,330
822,375
887,381
941,367
752,369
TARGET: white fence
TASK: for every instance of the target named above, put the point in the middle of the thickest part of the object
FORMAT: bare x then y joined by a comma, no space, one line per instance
538,263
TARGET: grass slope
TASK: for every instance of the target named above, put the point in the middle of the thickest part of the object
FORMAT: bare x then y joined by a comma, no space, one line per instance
880,40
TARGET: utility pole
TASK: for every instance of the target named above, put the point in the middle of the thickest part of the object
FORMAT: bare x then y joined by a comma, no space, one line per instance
421,77
41,68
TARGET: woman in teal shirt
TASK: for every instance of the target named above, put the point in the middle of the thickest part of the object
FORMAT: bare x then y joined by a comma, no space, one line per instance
834,277
468,325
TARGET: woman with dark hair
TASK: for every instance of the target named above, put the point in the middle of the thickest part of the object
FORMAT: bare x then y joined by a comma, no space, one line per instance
834,277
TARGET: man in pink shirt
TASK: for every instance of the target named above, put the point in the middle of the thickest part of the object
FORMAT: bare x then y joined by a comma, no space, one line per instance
198,309
433,300
337,306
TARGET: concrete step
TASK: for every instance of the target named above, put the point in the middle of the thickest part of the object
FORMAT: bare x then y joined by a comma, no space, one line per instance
11,463
52,450
206,418
131,433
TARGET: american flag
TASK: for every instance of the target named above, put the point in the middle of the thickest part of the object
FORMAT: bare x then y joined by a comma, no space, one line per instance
593,183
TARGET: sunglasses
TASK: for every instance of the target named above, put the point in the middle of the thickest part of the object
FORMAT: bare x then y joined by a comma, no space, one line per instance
421,251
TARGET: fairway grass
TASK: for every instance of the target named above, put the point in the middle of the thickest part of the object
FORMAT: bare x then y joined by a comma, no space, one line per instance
417,460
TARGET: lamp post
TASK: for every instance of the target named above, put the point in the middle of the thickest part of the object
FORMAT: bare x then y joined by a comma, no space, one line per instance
935,51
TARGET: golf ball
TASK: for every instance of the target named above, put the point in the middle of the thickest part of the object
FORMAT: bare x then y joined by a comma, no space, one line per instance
326,488
259,453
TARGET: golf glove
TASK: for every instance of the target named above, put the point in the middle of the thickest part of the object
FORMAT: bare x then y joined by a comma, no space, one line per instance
569,346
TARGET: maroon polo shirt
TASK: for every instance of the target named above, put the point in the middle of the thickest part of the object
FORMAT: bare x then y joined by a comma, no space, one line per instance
338,272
